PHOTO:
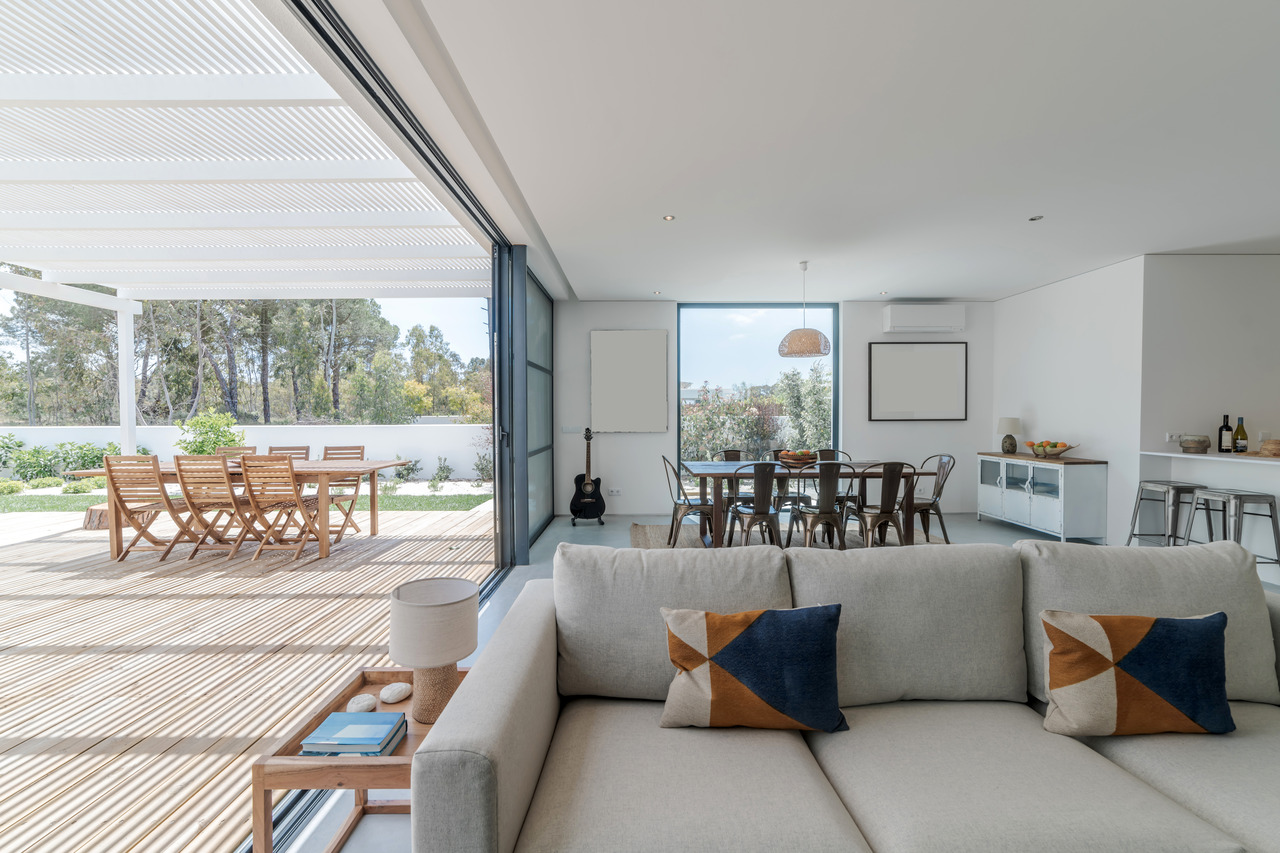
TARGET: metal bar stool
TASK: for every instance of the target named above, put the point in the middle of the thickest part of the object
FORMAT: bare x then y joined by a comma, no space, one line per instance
1234,507
1170,493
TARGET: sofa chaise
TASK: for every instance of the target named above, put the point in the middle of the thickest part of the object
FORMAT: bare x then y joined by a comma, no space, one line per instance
553,742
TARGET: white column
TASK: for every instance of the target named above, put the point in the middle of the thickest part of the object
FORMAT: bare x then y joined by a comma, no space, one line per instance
128,394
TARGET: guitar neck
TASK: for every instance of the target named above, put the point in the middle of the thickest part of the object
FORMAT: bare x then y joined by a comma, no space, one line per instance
588,460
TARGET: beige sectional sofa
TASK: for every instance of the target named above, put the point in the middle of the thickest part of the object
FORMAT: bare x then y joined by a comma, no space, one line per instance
553,743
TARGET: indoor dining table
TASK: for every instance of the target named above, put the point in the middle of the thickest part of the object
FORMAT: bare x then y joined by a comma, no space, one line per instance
716,474
320,472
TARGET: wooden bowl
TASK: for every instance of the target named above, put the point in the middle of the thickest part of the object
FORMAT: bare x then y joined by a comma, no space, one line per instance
1050,452
797,460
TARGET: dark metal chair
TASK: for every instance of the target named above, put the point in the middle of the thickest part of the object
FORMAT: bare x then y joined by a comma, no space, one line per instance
681,503
735,494
931,505
762,512
829,512
874,518
784,496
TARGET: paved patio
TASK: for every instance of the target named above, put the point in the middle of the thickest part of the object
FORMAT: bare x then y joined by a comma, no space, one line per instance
135,695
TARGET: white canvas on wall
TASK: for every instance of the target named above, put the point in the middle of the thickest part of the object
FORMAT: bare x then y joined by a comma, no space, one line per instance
629,381
918,382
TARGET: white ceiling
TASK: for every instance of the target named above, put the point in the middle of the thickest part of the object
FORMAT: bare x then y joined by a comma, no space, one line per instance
898,146
184,148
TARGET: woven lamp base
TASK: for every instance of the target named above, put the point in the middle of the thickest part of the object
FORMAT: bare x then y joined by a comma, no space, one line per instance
432,689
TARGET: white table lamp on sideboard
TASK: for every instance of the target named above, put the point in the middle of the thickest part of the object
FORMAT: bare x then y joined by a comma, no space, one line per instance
434,624
1010,427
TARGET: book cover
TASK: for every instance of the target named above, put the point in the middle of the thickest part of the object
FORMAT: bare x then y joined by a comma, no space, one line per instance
397,736
347,731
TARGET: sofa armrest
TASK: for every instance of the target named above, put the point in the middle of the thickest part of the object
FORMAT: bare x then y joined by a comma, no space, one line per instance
475,773
1273,610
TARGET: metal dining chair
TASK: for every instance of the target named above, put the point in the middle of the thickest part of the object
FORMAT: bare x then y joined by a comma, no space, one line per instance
681,503
736,495
873,519
761,512
828,513
784,498
931,505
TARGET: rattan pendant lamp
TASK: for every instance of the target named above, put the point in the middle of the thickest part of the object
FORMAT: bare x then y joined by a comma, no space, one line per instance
804,342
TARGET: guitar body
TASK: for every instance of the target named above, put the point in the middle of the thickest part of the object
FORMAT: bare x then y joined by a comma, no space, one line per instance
587,501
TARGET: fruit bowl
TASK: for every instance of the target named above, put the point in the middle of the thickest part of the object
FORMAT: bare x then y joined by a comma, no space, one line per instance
1048,452
796,459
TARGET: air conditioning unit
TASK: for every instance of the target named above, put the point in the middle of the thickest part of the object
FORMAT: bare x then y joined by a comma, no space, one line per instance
909,319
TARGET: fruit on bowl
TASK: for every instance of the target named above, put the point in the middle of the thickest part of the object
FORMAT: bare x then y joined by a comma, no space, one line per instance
797,457
1050,448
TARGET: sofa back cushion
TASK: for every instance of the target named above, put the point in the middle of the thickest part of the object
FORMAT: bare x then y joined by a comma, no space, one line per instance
612,639
1182,581
926,622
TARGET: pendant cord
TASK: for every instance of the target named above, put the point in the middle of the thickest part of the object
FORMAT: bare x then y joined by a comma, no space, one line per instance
804,295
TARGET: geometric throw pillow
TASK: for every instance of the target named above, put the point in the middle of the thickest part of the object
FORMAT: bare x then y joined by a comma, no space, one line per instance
765,669
1123,675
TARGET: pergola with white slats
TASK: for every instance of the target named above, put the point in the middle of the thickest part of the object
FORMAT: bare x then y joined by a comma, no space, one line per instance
182,149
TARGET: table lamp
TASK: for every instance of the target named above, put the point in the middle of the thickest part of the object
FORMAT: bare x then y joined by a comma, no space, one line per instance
1009,426
434,625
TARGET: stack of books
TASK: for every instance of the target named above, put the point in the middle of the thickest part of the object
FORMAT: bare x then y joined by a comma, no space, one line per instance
356,733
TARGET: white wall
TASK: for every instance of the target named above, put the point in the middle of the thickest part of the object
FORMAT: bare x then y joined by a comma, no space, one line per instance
1210,346
631,462
1068,362
410,441
860,324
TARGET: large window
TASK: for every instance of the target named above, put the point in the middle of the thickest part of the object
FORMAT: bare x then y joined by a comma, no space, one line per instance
737,392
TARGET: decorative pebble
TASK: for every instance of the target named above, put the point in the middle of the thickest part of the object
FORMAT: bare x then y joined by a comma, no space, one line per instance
362,702
396,691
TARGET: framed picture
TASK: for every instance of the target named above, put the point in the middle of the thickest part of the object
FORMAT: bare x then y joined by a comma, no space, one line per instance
918,382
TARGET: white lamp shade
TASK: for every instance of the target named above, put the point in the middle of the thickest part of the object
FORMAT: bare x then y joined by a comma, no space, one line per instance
1009,426
434,621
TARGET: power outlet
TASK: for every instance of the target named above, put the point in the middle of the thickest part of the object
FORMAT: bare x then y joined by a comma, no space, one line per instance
613,493
1173,436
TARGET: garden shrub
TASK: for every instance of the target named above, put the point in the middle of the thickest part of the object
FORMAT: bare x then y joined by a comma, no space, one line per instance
8,444
77,456
78,487
443,472
32,463
45,483
205,433
12,487
405,473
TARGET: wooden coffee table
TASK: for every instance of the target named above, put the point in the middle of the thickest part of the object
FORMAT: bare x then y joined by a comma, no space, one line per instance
286,769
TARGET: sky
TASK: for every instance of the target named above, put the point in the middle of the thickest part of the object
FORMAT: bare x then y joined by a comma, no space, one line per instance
463,321
728,346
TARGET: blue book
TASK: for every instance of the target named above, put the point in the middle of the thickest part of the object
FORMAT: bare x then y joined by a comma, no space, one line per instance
347,731
396,738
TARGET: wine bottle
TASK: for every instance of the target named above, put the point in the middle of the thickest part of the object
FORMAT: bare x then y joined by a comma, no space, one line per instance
1240,439
1224,435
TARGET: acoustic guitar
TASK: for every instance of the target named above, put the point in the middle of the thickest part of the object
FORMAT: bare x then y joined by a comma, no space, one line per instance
587,501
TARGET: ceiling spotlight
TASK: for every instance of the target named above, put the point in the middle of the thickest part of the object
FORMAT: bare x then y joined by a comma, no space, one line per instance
884,293
657,293
668,217
1035,219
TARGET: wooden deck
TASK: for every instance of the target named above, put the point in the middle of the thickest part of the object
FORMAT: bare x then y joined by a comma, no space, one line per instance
134,696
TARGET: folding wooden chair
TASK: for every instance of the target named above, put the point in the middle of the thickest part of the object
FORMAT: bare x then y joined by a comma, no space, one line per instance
233,452
138,491
277,505
215,507
296,452
339,452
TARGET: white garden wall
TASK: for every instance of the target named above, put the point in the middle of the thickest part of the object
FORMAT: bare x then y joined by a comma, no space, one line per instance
409,441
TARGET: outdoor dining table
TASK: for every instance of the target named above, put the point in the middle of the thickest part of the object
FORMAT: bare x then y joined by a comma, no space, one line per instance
320,472
717,473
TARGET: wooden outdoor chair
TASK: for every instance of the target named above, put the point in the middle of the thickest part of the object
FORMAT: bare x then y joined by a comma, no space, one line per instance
138,491
277,505
876,518
833,496
296,452
762,512
233,452
216,508
354,452
681,503
931,505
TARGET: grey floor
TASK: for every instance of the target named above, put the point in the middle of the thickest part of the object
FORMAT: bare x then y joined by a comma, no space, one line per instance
390,833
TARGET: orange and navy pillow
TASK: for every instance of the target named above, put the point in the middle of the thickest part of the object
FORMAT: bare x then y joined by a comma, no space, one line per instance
765,669
1124,675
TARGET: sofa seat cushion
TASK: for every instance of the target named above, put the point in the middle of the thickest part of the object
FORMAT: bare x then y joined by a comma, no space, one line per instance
612,639
920,623
920,777
615,780
1232,781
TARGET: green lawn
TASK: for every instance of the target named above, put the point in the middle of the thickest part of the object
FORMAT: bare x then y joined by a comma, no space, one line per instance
387,503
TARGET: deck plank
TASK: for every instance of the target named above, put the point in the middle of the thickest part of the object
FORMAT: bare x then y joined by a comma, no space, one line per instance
135,695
